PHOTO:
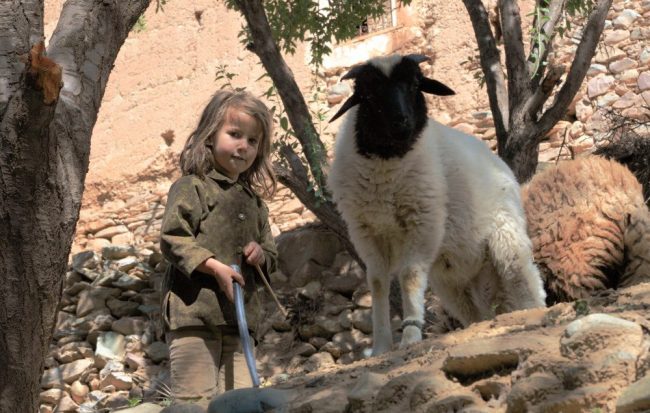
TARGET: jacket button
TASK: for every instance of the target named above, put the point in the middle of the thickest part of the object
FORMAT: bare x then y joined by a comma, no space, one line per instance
241,217
240,250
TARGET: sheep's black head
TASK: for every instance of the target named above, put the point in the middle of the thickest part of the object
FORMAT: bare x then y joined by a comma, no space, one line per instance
392,111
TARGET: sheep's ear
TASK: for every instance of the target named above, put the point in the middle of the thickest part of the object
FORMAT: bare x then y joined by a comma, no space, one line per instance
434,87
352,100
353,73
417,58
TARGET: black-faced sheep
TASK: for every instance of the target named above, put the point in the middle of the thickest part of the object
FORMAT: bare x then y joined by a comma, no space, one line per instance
423,199
589,226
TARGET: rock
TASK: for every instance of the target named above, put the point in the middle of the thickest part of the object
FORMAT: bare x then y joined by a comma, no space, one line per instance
93,299
65,373
599,86
318,246
362,320
85,260
625,19
606,54
121,308
51,396
616,36
116,252
635,398
597,332
129,325
531,391
118,380
621,65
644,81
311,291
78,391
157,351
110,232
309,271
361,396
126,263
66,404
110,346
318,361
97,244
129,282
585,399
397,393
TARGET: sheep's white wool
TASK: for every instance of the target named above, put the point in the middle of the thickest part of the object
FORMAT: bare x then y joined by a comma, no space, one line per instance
449,209
385,63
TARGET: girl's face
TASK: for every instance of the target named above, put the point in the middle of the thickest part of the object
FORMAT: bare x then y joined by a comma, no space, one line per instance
235,144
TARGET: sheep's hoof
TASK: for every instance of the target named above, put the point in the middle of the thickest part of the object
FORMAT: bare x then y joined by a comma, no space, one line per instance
410,335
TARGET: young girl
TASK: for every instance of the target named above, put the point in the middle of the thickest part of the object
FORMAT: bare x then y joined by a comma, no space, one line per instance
213,219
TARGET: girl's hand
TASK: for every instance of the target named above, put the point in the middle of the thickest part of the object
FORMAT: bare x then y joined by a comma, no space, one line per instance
224,275
254,253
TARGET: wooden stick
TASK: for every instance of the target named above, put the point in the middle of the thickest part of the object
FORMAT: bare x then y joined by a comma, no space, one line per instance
268,287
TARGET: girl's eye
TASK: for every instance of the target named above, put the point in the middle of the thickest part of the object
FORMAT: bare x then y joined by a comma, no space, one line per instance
235,134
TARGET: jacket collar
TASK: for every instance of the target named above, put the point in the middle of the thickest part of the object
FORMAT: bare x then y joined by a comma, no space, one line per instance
221,178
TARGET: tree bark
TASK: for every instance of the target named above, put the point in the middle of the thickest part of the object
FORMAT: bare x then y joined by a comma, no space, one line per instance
44,153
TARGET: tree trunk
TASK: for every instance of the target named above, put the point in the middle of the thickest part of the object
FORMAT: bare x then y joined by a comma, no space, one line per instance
521,153
44,153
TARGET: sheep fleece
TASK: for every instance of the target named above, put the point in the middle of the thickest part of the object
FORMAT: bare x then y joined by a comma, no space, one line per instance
588,224
449,208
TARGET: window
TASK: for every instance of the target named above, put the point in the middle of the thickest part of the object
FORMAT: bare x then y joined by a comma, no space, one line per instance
385,21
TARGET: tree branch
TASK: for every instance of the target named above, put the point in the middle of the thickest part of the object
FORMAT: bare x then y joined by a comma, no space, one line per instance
294,179
294,103
586,49
548,33
490,65
535,102
518,78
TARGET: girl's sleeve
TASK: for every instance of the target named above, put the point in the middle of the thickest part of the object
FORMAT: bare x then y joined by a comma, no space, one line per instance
179,225
268,244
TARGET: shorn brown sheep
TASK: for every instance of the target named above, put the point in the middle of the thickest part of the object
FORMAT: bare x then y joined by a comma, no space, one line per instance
589,226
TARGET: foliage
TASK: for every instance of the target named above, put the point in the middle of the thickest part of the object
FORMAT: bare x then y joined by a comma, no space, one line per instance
140,25
160,4
296,21
473,65
542,15
581,307
134,401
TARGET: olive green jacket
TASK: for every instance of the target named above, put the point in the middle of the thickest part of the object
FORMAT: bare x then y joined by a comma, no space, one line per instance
211,217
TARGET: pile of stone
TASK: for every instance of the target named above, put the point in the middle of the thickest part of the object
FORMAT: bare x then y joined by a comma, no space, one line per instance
107,349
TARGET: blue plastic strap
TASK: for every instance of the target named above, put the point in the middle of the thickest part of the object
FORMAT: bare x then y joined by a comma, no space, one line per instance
244,336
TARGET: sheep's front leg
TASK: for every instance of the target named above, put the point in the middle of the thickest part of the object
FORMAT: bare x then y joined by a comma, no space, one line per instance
382,336
413,283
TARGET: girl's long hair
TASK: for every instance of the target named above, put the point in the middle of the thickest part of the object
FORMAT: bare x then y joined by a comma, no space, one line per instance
197,157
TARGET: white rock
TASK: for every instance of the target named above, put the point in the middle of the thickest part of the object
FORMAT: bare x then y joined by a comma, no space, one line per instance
625,19
599,86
